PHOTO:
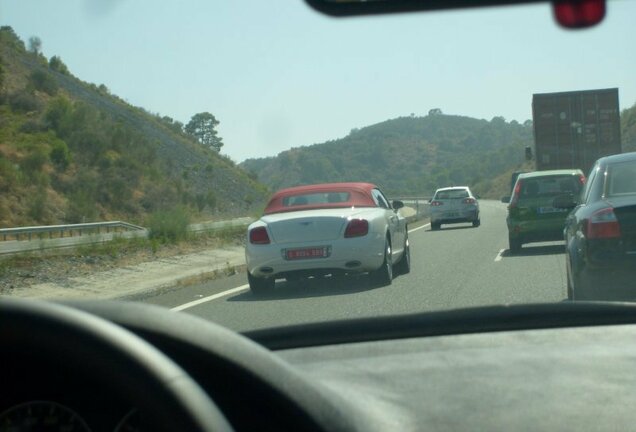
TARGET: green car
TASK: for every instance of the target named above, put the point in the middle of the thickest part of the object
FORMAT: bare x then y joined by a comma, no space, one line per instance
532,216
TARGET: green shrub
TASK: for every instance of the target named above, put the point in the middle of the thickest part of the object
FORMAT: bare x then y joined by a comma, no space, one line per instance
170,226
8,175
44,81
37,205
59,116
33,163
210,200
32,126
60,155
81,206
24,101
9,37
56,64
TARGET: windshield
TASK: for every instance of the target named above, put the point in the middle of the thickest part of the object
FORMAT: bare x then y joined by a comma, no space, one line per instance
550,186
451,194
141,142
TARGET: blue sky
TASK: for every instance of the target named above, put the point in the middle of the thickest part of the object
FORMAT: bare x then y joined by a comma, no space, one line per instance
278,75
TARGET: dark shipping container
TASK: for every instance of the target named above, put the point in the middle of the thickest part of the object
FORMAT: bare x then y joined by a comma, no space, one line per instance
573,129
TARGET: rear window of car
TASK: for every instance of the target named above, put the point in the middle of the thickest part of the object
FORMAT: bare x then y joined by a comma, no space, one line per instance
550,186
621,179
451,194
316,198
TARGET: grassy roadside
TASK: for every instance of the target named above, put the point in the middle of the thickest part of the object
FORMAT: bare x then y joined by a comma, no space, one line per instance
59,265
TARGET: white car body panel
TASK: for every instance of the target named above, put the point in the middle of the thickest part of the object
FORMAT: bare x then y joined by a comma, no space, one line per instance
324,228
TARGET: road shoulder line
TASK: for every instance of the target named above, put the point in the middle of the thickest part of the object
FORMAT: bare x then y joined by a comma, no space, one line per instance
209,298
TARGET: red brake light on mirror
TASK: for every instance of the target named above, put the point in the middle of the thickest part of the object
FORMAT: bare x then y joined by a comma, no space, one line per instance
603,224
357,228
578,13
259,235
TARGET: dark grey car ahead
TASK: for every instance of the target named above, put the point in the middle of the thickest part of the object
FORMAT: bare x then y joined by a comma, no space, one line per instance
600,233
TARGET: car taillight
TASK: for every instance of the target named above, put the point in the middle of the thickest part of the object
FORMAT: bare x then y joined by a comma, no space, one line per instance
469,201
582,180
259,235
436,203
603,224
515,195
357,228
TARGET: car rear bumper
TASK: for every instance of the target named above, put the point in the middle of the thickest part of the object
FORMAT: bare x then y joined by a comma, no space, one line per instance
615,283
346,256
536,231
455,217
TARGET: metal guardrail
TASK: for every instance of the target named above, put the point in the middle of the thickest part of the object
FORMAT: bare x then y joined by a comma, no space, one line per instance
212,226
419,204
25,239
28,239
61,231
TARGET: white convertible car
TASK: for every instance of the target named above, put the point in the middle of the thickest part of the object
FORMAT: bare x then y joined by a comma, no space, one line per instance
334,228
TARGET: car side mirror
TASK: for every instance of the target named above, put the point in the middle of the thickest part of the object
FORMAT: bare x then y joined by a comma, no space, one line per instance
397,205
430,200
565,201
505,199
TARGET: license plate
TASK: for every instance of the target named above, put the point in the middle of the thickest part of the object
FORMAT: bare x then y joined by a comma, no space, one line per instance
307,253
452,215
546,210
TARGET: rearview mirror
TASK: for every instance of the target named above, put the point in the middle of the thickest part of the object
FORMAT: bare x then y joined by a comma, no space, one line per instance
568,13
364,7
505,199
397,205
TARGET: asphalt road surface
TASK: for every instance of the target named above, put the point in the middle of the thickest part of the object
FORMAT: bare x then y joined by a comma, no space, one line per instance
458,266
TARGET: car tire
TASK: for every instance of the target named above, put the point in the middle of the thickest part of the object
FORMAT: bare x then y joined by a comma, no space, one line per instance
404,265
435,226
260,286
476,223
514,244
384,275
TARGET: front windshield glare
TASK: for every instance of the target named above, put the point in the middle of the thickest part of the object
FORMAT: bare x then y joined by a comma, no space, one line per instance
260,164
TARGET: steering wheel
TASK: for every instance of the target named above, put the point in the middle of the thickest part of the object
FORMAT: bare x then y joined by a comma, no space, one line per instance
92,346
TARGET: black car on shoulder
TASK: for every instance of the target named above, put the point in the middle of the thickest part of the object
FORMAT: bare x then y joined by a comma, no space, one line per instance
600,232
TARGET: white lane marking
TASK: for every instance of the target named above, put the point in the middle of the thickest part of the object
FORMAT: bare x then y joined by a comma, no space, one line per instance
238,289
499,255
419,228
210,298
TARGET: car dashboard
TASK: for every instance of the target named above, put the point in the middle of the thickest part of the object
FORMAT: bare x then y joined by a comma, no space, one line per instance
514,368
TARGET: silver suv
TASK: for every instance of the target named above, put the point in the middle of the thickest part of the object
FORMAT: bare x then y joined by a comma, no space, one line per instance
454,205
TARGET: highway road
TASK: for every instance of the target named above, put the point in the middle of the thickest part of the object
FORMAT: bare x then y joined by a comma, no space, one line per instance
458,266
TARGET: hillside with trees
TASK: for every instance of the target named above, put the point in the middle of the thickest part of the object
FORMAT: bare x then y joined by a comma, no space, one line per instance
406,156
416,155
72,152
628,129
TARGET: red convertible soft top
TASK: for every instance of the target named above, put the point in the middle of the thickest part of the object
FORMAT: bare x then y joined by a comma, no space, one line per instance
318,196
